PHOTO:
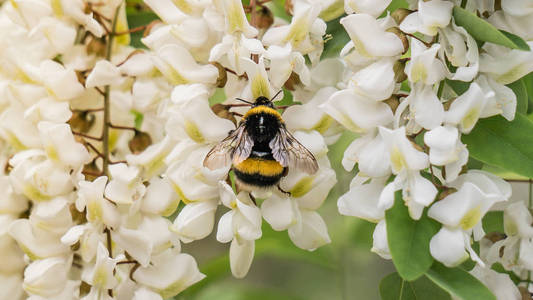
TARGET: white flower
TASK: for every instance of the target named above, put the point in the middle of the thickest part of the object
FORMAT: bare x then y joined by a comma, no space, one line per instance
124,187
369,39
160,198
60,83
362,200
104,73
283,62
243,221
236,21
500,99
431,16
179,67
151,237
381,244
402,154
60,146
232,49
461,50
46,277
100,276
299,33
373,8
355,112
195,221
504,65
376,81
310,231
423,66
170,273
99,210
499,284
425,106
448,246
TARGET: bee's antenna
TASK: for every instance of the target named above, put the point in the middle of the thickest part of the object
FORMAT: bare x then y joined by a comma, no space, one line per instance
276,95
244,101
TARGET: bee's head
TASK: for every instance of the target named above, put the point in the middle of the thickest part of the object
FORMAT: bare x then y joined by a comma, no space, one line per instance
263,101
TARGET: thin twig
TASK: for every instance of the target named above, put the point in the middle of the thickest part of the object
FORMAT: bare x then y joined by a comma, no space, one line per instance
87,136
94,149
121,127
89,110
133,30
101,93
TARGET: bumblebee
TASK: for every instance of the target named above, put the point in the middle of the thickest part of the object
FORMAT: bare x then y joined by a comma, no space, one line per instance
261,149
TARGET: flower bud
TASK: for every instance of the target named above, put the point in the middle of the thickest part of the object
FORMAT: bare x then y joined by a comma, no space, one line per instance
222,75
91,171
139,142
399,14
401,36
264,18
393,102
97,47
81,121
399,70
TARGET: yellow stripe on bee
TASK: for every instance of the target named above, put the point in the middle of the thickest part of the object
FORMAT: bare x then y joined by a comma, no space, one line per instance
260,166
263,109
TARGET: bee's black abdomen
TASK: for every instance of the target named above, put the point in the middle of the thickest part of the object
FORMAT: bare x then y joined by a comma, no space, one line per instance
257,179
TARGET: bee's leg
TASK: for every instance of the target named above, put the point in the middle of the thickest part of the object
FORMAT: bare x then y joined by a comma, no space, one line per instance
283,191
253,198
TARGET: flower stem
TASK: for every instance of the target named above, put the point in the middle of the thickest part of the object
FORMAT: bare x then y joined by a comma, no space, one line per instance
107,106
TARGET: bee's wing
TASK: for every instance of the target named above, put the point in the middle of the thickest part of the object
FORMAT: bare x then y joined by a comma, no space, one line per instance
235,147
289,152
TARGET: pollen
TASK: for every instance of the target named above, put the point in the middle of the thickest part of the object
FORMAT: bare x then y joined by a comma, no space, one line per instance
260,166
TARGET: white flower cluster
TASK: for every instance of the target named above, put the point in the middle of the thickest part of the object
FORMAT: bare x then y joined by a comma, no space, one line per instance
410,136
204,45
101,141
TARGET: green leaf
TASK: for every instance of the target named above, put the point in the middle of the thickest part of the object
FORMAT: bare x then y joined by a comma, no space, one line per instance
482,30
528,82
493,221
498,142
277,7
393,287
459,283
136,19
409,240
517,40
459,87
519,89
